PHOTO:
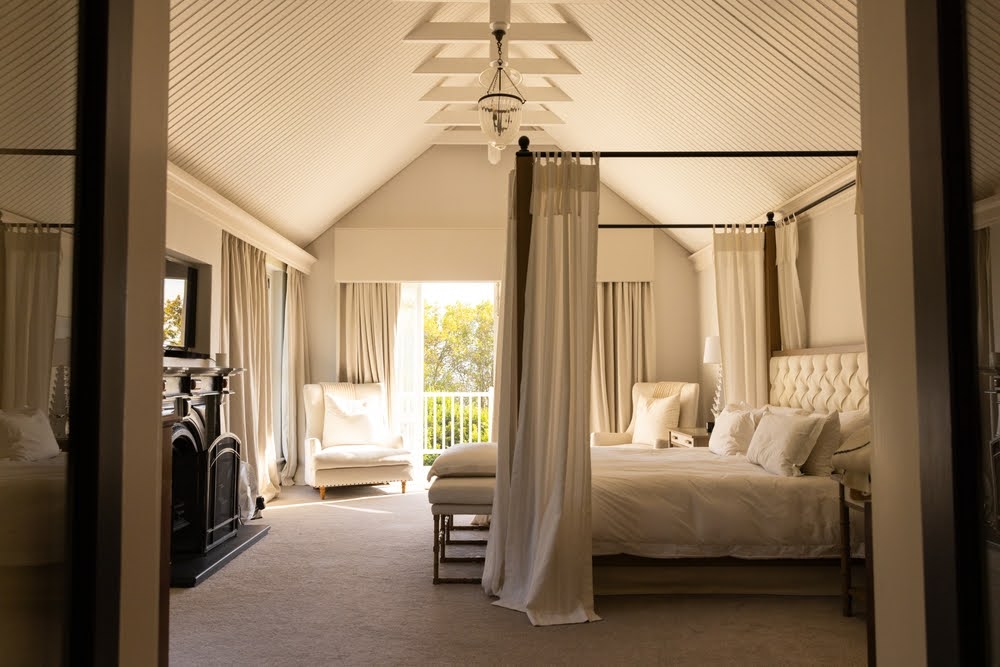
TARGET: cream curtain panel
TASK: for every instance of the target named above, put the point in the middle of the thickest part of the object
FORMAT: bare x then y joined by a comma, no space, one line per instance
984,298
624,351
295,364
246,337
739,290
791,310
29,290
368,330
539,553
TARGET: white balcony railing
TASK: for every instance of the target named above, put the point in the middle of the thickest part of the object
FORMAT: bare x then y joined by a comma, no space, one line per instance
432,421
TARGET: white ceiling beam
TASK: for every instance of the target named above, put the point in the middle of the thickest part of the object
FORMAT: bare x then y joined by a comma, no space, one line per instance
475,137
473,93
532,66
500,14
545,33
448,117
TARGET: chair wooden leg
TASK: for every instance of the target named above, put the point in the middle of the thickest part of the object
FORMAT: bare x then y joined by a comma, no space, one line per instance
403,485
322,493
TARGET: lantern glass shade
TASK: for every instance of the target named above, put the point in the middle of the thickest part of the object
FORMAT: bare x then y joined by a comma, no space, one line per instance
500,118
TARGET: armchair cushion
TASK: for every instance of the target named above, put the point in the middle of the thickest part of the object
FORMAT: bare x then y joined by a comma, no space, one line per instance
359,456
357,420
654,417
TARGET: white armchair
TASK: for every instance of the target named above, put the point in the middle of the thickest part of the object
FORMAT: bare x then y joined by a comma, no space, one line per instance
688,396
348,441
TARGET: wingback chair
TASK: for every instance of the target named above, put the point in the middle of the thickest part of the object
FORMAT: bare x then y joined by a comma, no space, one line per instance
348,441
688,393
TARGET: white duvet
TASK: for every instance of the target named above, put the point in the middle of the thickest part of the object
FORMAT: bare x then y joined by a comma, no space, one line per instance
32,511
686,503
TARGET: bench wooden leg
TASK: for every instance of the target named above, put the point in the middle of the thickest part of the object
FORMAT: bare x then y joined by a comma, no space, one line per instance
437,525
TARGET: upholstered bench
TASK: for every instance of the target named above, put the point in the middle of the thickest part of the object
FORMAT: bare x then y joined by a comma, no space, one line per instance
464,479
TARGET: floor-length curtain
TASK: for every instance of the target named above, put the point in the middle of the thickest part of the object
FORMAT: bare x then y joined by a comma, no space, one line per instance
408,372
246,336
29,289
542,522
791,310
624,348
295,366
369,334
739,290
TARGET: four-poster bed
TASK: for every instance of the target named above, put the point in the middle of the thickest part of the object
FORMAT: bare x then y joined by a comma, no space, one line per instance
521,257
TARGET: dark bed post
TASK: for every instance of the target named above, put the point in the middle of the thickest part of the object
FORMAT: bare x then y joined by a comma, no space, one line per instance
522,190
771,287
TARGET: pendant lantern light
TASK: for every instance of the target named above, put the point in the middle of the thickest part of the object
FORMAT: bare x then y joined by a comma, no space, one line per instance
500,107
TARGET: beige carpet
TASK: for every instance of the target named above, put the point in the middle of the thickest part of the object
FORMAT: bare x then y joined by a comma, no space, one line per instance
347,582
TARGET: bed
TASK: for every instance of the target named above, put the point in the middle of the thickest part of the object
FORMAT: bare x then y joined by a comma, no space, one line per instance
692,503
686,506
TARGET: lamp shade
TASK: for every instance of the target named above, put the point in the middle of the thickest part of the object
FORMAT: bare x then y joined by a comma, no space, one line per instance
713,351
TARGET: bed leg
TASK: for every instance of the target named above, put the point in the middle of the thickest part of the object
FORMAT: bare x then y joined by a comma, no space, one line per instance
845,555
437,539
322,493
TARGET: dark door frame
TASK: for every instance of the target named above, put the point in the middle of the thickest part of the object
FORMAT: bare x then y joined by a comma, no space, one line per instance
948,406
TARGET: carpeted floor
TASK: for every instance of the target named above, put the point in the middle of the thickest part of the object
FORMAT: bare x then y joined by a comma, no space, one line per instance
347,582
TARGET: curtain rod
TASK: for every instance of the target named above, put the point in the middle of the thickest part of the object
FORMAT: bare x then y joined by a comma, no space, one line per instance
524,142
25,222
769,223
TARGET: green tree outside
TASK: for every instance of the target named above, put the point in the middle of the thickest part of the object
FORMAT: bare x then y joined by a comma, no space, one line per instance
173,320
458,357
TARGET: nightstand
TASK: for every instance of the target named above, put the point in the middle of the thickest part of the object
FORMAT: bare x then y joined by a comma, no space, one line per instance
688,437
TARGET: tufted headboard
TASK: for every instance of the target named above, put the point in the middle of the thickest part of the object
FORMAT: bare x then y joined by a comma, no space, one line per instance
819,380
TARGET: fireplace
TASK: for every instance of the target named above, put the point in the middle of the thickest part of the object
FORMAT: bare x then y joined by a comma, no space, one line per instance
202,471
205,484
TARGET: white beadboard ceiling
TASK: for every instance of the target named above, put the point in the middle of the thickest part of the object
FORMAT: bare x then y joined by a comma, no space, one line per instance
298,110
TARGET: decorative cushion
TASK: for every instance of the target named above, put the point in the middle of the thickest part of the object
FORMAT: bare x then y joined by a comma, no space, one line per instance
26,435
462,490
654,417
473,459
350,422
855,455
359,456
818,462
782,443
853,421
732,433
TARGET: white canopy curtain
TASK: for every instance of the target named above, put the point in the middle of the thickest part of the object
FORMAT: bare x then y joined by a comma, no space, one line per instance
539,553
29,289
408,369
791,310
739,289
246,337
368,332
295,364
624,351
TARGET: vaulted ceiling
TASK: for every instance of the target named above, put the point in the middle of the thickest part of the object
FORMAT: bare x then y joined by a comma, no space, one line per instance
297,111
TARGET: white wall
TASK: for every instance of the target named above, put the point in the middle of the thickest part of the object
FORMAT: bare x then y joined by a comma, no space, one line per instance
828,272
454,187
193,237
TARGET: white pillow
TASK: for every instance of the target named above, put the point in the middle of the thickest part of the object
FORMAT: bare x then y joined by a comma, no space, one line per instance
26,435
477,459
852,421
827,443
782,443
654,417
350,422
732,433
